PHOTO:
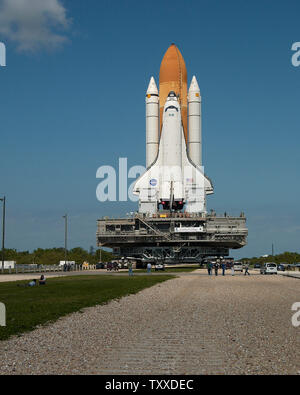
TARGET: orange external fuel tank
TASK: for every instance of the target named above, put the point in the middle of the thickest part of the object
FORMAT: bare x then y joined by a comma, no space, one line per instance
173,77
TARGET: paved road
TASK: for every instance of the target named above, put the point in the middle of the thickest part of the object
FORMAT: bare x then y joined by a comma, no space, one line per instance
290,274
188,325
25,276
123,272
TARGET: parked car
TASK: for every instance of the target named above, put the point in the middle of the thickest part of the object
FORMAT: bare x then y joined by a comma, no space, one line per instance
100,265
257,266
281,268
269,268
238,267
297,264
285,264
159,266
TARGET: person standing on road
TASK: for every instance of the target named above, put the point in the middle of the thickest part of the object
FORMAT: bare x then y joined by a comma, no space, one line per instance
130,272
149,267
208,266
223,266
232,269
216,268
247,269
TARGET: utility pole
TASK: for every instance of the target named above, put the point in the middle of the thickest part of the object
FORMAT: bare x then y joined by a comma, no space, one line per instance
3,232
272,249
66,236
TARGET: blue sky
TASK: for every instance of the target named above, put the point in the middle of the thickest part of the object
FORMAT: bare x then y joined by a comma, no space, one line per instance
72,99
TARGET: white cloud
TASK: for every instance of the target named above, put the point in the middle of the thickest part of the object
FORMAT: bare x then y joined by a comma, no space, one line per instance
34,24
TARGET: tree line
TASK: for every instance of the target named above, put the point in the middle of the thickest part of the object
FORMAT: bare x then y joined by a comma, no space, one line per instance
285,257
52,256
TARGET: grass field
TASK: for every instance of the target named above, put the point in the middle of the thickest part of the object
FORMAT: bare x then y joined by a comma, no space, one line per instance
28,307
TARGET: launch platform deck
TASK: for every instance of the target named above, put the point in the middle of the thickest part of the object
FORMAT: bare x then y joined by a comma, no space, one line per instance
172,237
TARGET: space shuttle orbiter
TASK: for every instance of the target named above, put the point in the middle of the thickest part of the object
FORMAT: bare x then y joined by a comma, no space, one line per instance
174,179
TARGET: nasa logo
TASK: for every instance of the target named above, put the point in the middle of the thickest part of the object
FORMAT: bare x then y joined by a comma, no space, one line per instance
153,182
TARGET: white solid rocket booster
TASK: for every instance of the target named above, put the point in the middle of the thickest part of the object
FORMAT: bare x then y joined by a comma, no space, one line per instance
194,123
152,122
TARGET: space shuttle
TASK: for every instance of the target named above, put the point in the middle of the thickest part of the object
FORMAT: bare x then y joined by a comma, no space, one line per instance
174,179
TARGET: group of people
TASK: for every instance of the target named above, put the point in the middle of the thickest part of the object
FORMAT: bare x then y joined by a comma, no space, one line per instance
34,282
216,266
67,267
130,268
42,281
222,265
112,266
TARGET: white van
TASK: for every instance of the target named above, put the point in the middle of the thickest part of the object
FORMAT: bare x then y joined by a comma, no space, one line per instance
238,267
269,268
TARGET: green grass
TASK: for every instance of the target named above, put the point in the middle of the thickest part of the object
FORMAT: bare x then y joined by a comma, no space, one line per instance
28,307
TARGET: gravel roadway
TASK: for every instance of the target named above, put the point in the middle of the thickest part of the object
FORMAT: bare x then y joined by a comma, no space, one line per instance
188,325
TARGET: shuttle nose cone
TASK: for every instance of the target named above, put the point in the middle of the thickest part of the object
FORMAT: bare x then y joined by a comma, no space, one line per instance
194,87
152,88
172,68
